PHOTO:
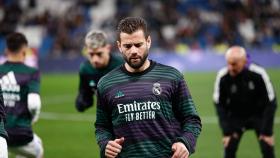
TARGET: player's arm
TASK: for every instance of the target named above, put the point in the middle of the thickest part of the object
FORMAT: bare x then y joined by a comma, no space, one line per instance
219,97
2,108
33,97
103,125
3,134
185,112
3,148
84,99
3,142
268,118
34,105
269,99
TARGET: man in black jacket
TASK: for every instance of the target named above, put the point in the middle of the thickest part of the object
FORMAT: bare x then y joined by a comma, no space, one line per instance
244,99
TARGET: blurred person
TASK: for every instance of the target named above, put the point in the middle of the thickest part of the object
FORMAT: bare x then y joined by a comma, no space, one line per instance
144,109
3,133
100,62
20,86
245,100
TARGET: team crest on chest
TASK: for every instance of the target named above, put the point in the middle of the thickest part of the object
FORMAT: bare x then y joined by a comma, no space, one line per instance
157,89
233,88
251,85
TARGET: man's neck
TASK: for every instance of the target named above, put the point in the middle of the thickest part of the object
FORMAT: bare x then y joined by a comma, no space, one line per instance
145,66
15,58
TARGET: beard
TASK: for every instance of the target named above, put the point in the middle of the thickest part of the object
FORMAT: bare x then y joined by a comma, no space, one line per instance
137,61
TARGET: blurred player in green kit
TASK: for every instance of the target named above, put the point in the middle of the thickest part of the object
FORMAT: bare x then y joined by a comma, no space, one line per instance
20,88
100,62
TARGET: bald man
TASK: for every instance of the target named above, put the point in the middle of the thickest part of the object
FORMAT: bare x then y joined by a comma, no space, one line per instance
245,100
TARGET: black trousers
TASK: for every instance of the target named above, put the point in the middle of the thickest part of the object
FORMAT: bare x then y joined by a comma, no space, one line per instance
231,149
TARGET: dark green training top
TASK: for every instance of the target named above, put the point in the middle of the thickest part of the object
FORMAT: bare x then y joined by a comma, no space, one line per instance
17,81
152,110
89,77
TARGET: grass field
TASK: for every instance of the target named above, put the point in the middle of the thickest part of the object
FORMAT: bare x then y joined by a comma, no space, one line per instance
69,134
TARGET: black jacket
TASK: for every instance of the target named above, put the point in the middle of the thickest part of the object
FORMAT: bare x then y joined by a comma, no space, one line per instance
245,101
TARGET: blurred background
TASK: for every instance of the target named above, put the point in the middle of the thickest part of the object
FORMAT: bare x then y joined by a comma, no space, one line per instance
191,35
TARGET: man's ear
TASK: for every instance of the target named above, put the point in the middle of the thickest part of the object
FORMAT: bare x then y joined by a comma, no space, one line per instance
24,51
109,47
149,42
119,46
6,52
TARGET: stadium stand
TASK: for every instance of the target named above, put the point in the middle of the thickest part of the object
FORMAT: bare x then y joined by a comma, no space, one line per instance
176,25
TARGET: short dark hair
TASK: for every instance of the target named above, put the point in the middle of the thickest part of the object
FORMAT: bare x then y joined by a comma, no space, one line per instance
15,41
132,24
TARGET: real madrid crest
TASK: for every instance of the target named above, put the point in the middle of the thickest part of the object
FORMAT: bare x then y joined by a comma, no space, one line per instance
157,89
233,88
251,85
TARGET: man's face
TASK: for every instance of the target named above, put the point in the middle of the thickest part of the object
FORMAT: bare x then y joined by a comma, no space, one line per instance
235,65
99,57
134,48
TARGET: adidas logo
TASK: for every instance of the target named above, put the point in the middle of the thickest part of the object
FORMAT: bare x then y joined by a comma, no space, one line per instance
119,94
8,83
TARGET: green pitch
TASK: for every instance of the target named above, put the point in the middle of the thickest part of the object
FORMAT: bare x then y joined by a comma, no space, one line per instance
67,133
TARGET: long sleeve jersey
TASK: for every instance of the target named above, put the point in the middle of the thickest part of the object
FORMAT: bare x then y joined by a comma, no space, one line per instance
89,77
17,81
152,110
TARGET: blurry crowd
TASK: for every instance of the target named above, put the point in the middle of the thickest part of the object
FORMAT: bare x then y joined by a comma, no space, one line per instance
208,24
176,25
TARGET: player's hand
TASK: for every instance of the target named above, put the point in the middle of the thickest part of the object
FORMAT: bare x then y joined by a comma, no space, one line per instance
114,147
226,140
268,139
180,150
3,148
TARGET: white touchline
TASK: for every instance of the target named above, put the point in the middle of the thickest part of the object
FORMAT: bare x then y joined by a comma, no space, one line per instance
59,99
67,116
91,117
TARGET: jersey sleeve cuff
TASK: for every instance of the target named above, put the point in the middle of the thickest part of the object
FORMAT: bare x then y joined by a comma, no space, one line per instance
186,143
